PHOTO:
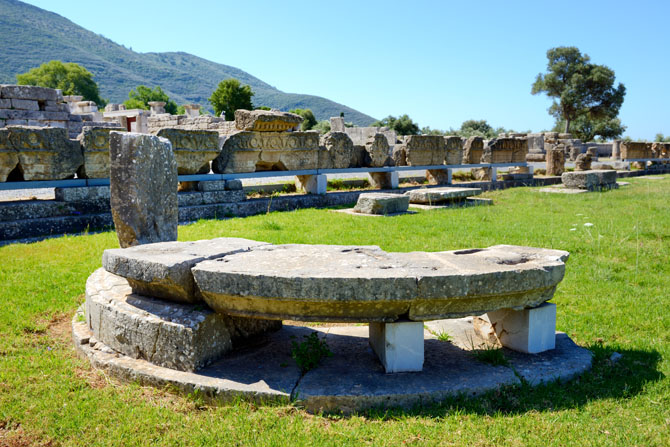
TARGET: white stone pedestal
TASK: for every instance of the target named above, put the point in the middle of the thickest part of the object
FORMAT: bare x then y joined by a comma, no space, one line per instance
312,184
384,180
528,330
399,346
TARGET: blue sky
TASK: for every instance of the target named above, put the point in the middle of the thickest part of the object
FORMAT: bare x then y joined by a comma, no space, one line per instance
440,62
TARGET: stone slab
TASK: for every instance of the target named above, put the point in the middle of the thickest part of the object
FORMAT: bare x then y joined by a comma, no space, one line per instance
439,195
560,189
469,201
25,104
354,213
163,270
30,92
365,284
266,120
82,194
381,203
176,336
590,180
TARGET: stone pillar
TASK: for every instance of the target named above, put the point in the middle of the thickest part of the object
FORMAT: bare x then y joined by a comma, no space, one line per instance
439,176
555,160
337,124
192,110
399,346
143,188
529,330
157,107
384,180
616,149
312,184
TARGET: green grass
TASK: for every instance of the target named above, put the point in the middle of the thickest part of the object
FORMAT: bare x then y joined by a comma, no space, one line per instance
614,298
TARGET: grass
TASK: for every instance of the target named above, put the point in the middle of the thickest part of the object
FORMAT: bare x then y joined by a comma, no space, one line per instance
614,298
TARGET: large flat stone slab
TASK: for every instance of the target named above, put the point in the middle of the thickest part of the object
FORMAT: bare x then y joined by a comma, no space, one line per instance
440,195
176,336
589,180
163,270
381,203
364,284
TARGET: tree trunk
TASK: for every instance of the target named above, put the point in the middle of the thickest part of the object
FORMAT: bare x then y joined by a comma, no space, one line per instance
567,125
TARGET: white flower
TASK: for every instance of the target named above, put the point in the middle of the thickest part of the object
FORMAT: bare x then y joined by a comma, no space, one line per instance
573,229
588,224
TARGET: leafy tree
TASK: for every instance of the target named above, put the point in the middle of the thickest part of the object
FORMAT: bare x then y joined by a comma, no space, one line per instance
582,91
140,97
403,125
322,126
428,131
662,139
70,78
230,96
588,129
309,121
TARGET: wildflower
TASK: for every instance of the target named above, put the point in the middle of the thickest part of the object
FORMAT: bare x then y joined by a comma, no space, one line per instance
588,224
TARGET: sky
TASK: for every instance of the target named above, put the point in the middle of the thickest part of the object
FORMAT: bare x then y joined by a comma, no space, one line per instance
440,62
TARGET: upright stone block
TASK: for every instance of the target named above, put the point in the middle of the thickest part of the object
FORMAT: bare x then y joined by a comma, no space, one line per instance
555,160
381,203
454,147
312,184
384,180
399,346
336,151
529,330
9,158
95,146
143,184
473,150
377,148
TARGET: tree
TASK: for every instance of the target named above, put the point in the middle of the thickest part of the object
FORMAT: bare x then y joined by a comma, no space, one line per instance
140,97
309,121
230,96
588,129
322,126
660,138
403,125
581,90
70,78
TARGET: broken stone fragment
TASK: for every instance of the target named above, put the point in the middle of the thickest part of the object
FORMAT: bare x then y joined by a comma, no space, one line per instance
143,188
381,203
163,270
9,158
377,148
266,120
440,195
336,150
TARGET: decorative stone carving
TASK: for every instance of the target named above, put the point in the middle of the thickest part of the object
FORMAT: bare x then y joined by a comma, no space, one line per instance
454,148
143,186
365,284
635,149
556,160
9,158
381,203
268,151
95,147
583,162
473,150
377,148
505,150
193,149
336,151
421,150
45,153
266,120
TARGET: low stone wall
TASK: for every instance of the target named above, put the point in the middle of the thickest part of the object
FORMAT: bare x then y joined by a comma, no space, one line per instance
184,122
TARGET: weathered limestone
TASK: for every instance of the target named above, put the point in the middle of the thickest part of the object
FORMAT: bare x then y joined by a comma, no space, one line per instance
95,147
384,180
157,107
82,194
420,150
589,180
660,150
616,149
583,162
438,176
266,120
29,92
312,184
635,149
399,346
268,151
377,148
163,270
505,150
193,149
143,183
9,157
556,160
45,153
337,124
454,148
336,151
366,284
473,150
440,195
177,336
527,330
381,203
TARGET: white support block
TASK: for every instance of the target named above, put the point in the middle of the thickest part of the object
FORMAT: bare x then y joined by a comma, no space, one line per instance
312,184
531,169
394,179
449,176
399,346
494,174
528,330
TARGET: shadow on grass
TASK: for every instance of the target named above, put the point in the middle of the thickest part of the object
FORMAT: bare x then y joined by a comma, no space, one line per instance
621,379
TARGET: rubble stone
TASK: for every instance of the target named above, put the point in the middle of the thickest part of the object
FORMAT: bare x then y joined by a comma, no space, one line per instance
377,148
95,147
381,203
143,184
336,151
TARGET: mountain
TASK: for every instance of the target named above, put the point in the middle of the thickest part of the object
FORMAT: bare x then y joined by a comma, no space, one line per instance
30,36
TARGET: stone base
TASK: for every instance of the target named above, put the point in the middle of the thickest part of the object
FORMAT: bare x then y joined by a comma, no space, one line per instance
399,346
82,194
312,184
529,330
352,379
470,201
384,180
590,180
429,196
381,203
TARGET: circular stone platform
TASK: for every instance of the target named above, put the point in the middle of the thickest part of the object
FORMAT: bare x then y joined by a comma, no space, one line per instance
352,379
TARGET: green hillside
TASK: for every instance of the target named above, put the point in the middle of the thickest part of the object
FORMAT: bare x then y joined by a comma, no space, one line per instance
30,36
